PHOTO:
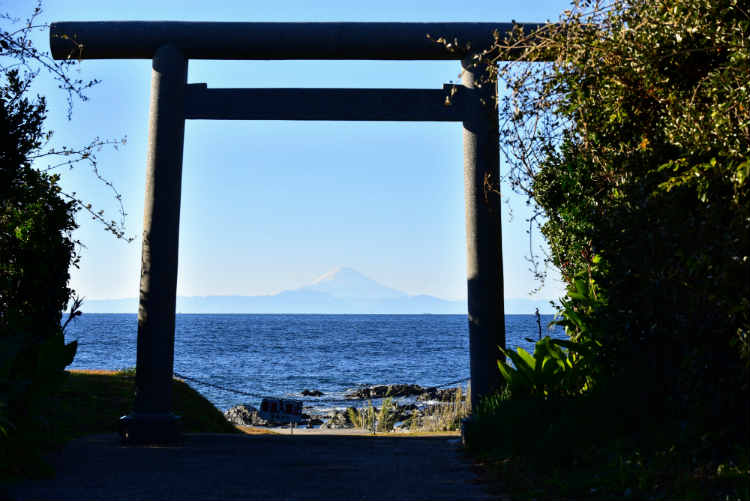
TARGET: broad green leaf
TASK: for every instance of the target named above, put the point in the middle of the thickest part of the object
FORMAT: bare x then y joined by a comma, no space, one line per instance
530,362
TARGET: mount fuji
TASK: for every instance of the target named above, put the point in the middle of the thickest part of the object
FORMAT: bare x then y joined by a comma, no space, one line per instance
347,283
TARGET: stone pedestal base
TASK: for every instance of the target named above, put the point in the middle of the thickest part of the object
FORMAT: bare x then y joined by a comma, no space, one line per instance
150,429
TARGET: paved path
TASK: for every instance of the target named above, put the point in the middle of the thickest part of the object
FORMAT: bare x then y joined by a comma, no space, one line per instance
267,467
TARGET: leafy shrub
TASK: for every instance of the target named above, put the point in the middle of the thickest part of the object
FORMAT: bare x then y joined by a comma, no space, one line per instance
559,395
632,141
363,418
552,372
372,419
386,416
629,130
36,251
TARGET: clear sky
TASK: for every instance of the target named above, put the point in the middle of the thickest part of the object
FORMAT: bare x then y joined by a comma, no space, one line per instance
268,206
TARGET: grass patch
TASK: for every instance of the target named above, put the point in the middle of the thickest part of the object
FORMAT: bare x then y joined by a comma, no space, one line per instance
437,419
445,416
255,430
92,402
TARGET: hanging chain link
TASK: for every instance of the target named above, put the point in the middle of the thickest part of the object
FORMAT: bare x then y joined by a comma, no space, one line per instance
258,395
453,382
232,390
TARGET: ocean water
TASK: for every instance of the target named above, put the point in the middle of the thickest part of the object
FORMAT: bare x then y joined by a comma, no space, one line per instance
281,355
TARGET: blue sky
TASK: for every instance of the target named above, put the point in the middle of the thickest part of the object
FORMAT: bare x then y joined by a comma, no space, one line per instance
268,206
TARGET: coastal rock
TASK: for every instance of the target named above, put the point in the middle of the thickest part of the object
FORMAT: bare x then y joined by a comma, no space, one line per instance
385,390
442,395
312,393
245,415
406,414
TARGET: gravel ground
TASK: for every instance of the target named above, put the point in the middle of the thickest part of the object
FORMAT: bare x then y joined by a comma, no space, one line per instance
267,467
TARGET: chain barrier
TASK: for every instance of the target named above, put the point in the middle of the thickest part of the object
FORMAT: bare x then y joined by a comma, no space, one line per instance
258,395
453,382
188,378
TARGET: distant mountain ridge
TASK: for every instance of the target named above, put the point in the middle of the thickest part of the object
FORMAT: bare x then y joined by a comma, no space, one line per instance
341,291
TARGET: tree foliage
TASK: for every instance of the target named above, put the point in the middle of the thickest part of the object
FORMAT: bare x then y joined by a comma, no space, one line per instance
37,249
35,222
36,252
18,54
628,125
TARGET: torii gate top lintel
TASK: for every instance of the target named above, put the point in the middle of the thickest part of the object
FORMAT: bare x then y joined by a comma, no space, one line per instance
274,40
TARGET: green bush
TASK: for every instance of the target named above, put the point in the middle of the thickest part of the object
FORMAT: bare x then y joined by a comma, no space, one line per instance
628,126
634,143
36,251
557,369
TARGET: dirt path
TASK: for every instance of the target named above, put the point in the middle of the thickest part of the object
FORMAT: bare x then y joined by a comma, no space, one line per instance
267,467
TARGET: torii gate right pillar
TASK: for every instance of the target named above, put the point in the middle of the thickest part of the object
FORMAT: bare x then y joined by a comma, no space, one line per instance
484,258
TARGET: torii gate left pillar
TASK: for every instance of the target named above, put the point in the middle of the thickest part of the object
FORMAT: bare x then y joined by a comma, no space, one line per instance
170,44
152,419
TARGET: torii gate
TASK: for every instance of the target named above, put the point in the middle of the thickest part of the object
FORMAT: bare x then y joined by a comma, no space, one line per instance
171,44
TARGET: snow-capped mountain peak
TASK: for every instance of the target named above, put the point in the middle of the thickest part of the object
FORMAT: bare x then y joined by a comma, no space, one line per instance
349,283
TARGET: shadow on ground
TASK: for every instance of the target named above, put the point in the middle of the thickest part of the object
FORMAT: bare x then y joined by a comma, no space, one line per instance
268,467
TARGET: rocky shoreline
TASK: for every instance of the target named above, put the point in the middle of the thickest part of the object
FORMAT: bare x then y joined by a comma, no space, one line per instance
401,390
401,415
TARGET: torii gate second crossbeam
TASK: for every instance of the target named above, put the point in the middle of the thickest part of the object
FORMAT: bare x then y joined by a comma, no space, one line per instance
170,45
